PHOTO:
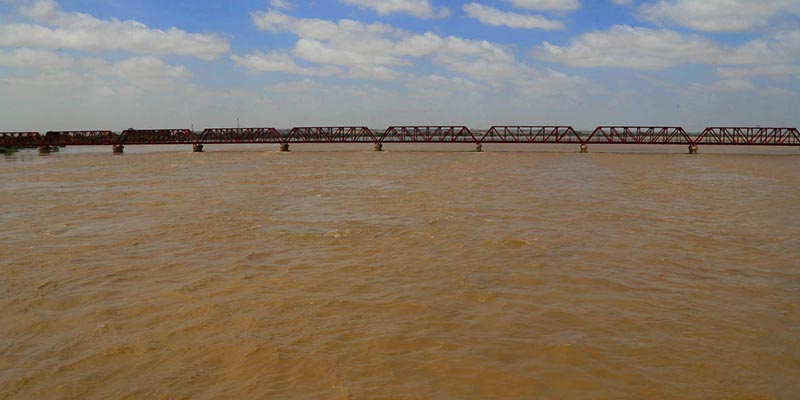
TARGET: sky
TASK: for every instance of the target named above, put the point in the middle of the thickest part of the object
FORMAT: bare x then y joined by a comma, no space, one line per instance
117,64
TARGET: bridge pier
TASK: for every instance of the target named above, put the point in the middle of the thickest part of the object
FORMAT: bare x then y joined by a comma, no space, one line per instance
584,148
44,149
118,148
197,148
284,147
694,149
378,146
478,148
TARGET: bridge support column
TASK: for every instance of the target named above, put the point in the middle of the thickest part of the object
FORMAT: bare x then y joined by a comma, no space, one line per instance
479,148
284,147
118,148
378,146
694,149
44,149
197,148
584,148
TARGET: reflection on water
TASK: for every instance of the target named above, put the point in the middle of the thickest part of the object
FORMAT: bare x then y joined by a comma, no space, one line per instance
249,273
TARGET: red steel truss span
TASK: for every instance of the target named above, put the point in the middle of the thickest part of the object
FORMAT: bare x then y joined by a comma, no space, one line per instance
521,134
531,134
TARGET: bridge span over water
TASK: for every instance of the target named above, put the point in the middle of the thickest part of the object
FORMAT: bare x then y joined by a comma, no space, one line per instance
508,134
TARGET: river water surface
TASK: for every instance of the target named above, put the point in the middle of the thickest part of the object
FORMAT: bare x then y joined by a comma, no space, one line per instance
248,273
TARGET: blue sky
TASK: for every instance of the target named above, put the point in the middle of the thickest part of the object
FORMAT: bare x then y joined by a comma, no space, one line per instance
116,64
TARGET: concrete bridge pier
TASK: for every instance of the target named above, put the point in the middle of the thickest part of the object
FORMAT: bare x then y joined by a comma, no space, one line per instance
118,148
584,148
44,149
378,146
197,148
478,148
694,149
284,147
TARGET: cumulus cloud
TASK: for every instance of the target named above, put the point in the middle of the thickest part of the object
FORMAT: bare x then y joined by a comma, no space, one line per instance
717,15
768,71
34,59
440,84
367,50
548,5
631,47
494,17
418,8
278,62
144,69
79,31
281,4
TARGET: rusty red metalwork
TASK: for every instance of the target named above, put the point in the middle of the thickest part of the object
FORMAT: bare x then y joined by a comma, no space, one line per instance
240,135
751,136
639,135
531,134
20,139
429,134
80,138
157,136
331,134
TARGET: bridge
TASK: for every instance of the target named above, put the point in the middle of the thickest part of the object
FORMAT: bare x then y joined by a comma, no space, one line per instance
508,134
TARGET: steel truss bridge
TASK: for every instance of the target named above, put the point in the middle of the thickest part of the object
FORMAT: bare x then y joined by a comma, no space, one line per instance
517,134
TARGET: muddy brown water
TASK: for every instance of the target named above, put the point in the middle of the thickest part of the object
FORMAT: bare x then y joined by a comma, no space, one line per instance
249,273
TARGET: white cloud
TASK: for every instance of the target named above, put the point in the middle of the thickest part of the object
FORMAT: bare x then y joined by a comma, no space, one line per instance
769,71
440,83
622,2
146,69
366,50
418,8
79,31
373,72
294,86
717,15
629,47
494,17
548,5
281,4
278,62
34,59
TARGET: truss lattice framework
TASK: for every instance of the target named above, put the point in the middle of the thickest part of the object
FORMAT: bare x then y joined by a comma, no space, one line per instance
750,136
639,135
429,134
